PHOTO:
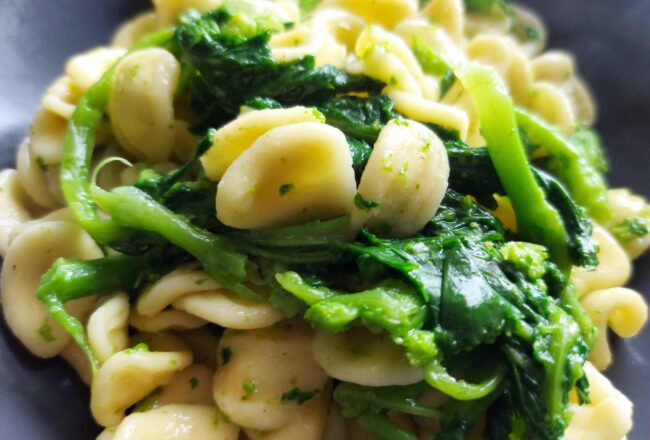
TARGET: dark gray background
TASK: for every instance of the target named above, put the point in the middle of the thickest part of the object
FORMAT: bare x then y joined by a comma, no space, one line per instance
611,39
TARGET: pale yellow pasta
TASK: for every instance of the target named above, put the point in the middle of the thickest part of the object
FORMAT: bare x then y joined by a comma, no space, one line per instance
46,135
407,176
234,138
629,206
162,341
229,310
134,29
343,26
166,320
141,103
387,58
86,69
34,178
548,101
29,256
127,377
306,40
78,360
449,15
61,98
614,268
13,207
262,366
107,434
607,417
177,422
172,286
621,309
361,357
168,11
432,37
418,108
307,424
290,175
107,326
192,386
383,12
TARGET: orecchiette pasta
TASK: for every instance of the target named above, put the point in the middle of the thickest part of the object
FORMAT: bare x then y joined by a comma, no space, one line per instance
258,367
627,206
406,178
172,286
192,386
141,104
86,69
384,12
177,422
128,376
13,207
291,174
607,417
235,138
614,268
108,326
29,256
363,358
621,309
229,310
165,320
361,138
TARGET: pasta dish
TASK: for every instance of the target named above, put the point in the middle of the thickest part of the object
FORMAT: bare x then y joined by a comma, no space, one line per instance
336,219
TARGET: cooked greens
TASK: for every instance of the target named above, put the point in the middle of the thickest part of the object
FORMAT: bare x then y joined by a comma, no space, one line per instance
487,314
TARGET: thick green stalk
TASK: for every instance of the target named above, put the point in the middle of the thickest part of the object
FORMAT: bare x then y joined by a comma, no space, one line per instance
586,184
537,220
438,377
79,145
131,207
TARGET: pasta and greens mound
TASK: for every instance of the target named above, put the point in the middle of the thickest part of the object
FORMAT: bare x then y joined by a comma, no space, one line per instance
337,219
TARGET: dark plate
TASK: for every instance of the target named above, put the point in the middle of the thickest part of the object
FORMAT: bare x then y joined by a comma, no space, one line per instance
44,400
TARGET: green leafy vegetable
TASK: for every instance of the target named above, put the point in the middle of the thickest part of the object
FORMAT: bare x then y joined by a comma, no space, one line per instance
629,229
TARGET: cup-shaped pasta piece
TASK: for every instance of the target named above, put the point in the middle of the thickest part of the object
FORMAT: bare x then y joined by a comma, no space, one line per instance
172,286
166,320
290,175
614,267
343,26
87,68
388,58
404,181
255,380
29,256
361,357
234,138
192,386
607,417
168,11
34,178
549,102
420,109
127,377
61,98
307,424
386,13
229,310
46,136
163,341
449,15
177,422
621,309
307,40
133,30
141,104
627,206
13,207
107,326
